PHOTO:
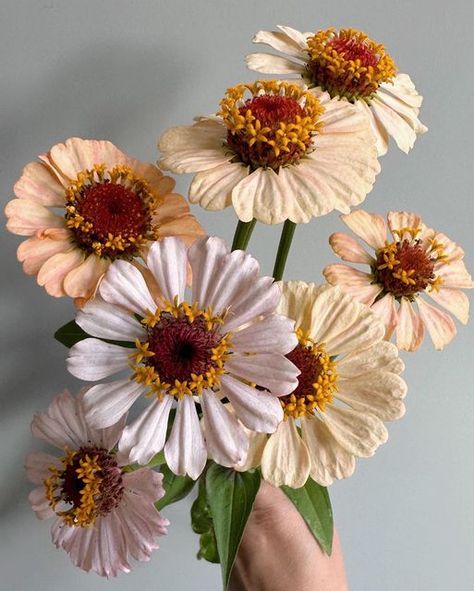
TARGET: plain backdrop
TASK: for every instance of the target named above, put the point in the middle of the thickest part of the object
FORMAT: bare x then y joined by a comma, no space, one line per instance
126,70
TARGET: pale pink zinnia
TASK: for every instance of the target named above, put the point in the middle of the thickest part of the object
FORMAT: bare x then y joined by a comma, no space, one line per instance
102,514
414,262
87,204
219,343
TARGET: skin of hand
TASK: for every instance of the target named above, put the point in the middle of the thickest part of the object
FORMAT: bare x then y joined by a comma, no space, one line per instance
279,553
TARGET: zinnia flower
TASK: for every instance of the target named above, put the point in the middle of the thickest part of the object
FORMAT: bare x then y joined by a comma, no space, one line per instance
87,204
218,344
348,386
103,515
415,260
275,152
350,66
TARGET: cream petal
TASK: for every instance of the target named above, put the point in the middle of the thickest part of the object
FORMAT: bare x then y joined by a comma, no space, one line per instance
301,39
380,133
281,41
342,117
225,437
388,97
346,276
368,226
455,275
358,433
261,195
25,217
37,183
257,442
349,249
329,460
34,252
403,219
440,326
194,148
257,409
105,404
124,286
453,301
386,309
145,437
410,330
102,320
185,450
403,87
212,189
92,359
37,466
377,392
382,355
167,260
76,155
396,125
206,257
273,64
54,270
82,281
274,333
269,370
297,302
285,459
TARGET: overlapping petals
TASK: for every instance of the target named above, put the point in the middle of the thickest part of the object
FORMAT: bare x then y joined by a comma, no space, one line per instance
221,343
410,262
85,204
357,387
392,109
101,519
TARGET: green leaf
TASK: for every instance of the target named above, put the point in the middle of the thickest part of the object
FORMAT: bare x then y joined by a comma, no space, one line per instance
230,496
208,547
201,522
313,504
70,334
176,487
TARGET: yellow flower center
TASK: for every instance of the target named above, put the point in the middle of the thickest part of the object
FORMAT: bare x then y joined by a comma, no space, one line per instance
406,266
88,485
184,352
111,211
270,123
317,381
348,64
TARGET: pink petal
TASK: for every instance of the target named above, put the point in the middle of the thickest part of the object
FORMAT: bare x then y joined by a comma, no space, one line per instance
34,252
185,450
274,333
386,309
410,330
455,275
82,281
368,226
40,503
37,466
105,404
93,359
102,320
453,300
25,217
349,249
440,326
37,183
167,260
269,370
206,257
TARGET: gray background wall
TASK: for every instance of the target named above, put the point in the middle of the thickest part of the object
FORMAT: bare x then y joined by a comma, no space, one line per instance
126,70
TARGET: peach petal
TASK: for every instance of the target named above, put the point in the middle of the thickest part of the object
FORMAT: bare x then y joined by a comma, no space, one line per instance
187,228
368,226
386,308
82,281
25,217
343,275
37,183
161,184
410,329
349,249
402,219
453,300
173,206
451,251
455,275
34,252
440,326
52,273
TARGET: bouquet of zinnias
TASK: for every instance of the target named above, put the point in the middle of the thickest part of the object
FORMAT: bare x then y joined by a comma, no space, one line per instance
230,376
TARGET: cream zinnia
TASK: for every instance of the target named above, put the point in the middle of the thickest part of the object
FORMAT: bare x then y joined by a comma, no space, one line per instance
414,261
103,514
348,386
87,204
351,66
220,343
275,152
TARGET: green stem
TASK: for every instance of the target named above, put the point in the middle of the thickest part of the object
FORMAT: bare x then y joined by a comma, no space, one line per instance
283,249
242,234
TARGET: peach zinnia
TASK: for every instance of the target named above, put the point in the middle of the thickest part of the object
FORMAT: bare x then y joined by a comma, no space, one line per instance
87,204
415,261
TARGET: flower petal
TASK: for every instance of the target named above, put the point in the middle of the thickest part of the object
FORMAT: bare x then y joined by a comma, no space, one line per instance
410,330
185,450
92,359
368,226
455,275
273,64
274,333
37,183
40,504
348,249
35,251
258,410
206,256
440,326
167,260
102,320
453,300
381,355
37,466
82,281
212,189
269,370
281,41
285,459
53,272
386,309
25,217
105,404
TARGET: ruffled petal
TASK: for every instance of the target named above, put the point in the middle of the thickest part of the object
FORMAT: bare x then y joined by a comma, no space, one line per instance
26,217
269,370
455,275
354,282
167,260
185,450
348,249
226,440
55,269
105,404
440,326
212,189
410,330
37,183
257,409
35,251
92,359
382,355
368,226
145,437
329,460
285,459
